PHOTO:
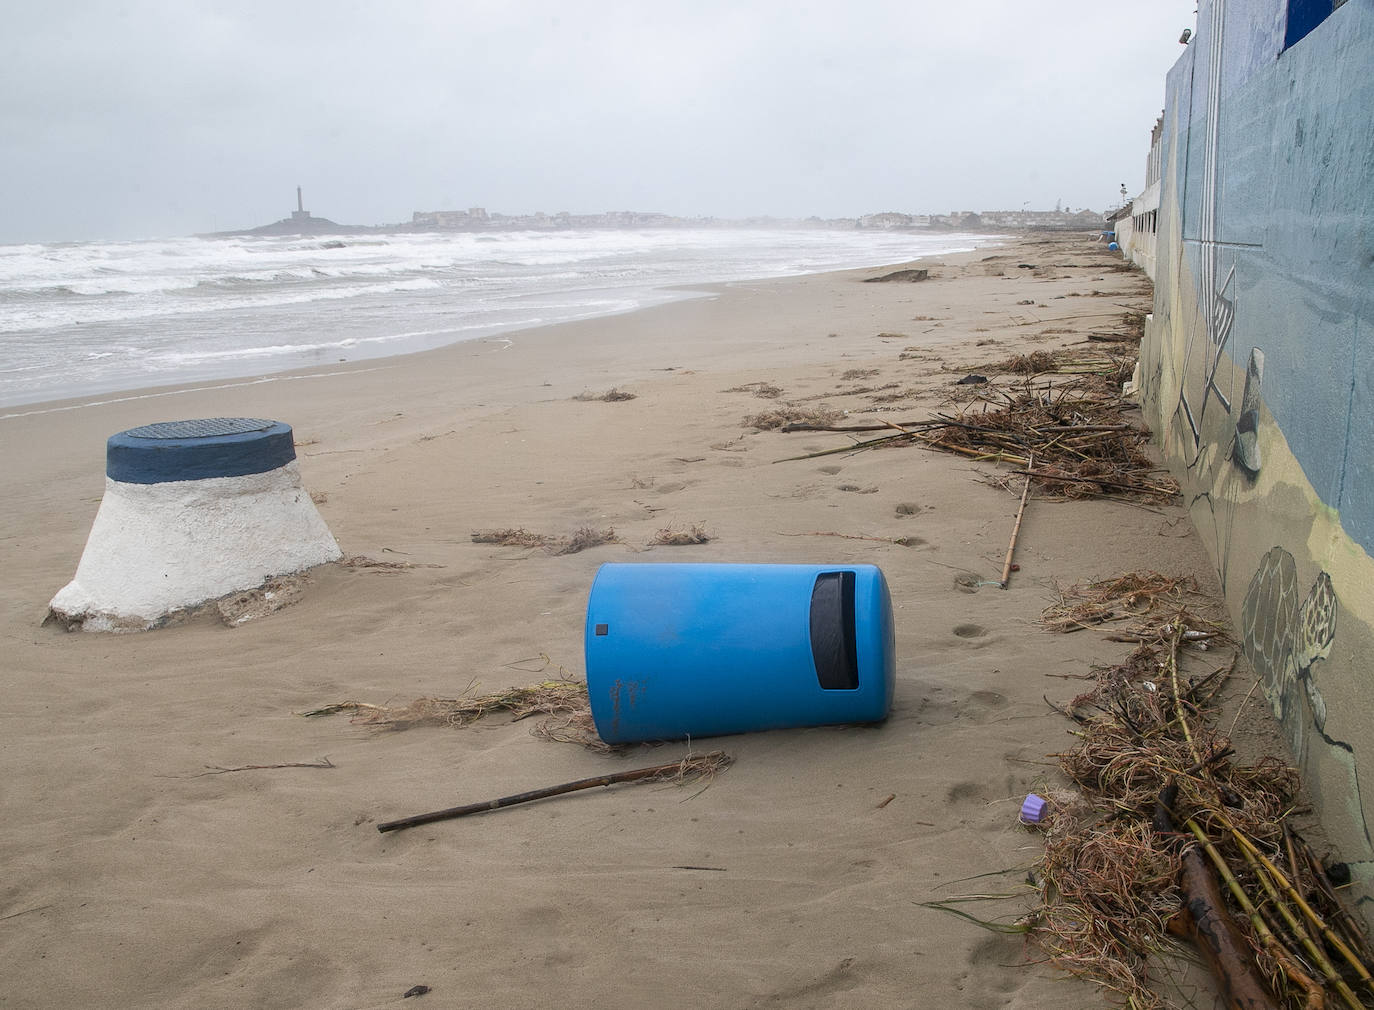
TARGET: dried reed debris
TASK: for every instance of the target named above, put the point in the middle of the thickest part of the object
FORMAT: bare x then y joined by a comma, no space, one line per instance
517,537
669,537
1115,368
563,703
1158,783
766,390
549,697
789,413
585,538
612,395
1133,595
1076,430
581,540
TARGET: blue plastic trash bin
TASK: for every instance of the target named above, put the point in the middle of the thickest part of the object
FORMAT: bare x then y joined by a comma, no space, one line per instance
678,650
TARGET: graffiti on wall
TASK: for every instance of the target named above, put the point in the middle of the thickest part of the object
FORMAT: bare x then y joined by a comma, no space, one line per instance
1288,622
1211,448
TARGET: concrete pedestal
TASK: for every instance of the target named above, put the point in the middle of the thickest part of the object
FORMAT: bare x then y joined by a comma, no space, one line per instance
192,510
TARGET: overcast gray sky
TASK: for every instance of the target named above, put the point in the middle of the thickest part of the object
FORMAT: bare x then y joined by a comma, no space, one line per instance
139,118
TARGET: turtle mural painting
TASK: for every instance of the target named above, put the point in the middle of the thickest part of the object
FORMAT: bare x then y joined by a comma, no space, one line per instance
1283,636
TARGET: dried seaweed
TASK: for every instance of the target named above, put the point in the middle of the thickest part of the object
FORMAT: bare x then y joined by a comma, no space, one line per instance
669,537
612,395
564,703
585,538
765,390
520,537
789,413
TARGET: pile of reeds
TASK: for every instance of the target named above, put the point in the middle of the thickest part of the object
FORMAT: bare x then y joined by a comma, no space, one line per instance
1133,595
1075,431
1067,361
1077,434
1165,818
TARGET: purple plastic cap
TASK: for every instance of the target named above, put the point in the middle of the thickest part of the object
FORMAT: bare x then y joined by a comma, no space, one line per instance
1032,809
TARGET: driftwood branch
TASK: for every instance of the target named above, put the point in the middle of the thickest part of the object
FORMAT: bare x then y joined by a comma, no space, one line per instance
1016,530
704,764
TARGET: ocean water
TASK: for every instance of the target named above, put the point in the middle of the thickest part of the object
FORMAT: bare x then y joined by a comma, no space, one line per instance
90,319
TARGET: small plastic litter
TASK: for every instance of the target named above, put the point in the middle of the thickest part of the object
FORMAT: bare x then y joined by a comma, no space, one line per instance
1033,809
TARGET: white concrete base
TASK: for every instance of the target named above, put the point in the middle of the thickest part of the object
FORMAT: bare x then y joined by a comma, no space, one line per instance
158,548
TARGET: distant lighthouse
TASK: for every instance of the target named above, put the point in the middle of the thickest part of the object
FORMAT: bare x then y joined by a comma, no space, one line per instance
300,213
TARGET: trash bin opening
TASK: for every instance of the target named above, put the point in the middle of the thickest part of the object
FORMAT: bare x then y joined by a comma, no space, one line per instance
832,631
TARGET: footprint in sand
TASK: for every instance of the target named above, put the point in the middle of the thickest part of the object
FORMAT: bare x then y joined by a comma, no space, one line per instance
855,489
970,630
993,974
941,706
968,792
981,706
829,471
906,508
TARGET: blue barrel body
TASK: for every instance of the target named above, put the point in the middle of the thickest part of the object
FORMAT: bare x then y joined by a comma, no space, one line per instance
678,650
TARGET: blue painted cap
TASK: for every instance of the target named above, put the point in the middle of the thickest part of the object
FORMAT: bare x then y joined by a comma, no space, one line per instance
198,449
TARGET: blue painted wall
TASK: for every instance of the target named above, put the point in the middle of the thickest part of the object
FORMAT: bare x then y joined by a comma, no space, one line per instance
1257,367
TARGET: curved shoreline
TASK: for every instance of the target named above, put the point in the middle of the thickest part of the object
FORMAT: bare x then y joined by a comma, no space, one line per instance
323,332
246,378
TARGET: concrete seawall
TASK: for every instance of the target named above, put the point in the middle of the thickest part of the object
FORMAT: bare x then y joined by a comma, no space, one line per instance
1257,368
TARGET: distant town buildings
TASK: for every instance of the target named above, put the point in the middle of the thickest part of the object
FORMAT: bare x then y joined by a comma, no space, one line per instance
302,222
477,219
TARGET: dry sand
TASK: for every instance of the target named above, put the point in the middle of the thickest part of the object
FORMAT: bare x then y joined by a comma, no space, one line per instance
130,877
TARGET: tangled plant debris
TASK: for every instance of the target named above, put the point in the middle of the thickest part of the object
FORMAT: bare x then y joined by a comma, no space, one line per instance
581,540
1163,817
1076,430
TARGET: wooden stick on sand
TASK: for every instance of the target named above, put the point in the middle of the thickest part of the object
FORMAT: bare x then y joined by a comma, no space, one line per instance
699,766
1011,548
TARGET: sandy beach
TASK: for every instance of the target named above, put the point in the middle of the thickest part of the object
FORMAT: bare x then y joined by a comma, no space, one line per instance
136,875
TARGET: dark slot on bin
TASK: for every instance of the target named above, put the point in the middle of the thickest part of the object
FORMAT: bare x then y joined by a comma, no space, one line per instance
832,631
